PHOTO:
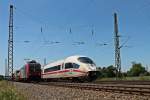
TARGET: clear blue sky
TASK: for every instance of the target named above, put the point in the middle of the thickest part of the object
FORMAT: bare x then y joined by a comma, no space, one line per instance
57,16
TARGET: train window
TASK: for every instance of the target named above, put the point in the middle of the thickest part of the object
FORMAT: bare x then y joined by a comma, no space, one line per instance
38,67
17,71
85,60
75,65
55,68
68,65
35,67
58,67
33,61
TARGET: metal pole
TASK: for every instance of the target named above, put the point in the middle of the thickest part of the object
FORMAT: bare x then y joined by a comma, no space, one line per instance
10,44
44,61
6,69
117,47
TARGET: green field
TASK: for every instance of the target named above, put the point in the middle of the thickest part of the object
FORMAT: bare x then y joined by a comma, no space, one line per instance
8,92
125,78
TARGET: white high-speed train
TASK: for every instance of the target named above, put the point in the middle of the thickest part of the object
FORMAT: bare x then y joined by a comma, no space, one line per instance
75,68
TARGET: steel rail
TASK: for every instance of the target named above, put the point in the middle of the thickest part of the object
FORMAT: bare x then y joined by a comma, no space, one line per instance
130,89
135,82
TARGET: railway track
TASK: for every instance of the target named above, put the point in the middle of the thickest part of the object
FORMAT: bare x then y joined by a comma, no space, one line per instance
129,82
119,88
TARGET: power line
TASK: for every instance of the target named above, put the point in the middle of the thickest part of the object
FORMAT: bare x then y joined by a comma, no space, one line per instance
41,29
70,30
123,44
43,36
92,31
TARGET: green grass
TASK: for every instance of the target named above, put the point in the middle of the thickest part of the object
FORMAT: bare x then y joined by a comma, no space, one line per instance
126,78
137,78
8,92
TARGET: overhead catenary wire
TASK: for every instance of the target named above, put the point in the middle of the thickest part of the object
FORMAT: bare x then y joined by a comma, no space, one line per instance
39,22
70,30
24,13
47,42
123,44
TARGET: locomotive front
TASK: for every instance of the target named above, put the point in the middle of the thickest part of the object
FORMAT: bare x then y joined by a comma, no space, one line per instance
34,71
88,66
83,67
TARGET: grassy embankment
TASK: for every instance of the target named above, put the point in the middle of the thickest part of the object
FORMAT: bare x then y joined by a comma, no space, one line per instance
8,92
146,78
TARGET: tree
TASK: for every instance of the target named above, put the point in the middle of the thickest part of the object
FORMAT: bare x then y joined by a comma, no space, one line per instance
1,77
109,71
136,70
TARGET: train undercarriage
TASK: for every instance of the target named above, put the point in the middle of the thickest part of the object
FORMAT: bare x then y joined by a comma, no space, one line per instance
90,77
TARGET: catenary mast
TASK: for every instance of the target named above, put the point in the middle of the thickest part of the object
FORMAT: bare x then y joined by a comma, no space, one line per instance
10,44
117,47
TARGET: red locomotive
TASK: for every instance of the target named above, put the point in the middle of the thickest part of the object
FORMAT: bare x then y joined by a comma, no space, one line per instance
31,71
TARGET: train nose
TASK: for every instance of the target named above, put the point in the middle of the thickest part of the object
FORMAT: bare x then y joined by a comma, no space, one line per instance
92,75
92,67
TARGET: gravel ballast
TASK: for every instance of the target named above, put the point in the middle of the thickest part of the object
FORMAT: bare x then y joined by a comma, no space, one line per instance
45,92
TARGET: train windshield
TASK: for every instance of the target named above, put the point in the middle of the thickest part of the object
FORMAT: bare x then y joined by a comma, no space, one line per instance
35,67
85,60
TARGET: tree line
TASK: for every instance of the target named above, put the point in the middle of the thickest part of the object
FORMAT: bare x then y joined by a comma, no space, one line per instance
1,77
137,69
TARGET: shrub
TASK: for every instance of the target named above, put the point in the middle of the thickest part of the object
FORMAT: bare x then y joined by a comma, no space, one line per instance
8,92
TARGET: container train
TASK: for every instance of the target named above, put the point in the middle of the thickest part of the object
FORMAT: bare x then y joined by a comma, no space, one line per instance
74,68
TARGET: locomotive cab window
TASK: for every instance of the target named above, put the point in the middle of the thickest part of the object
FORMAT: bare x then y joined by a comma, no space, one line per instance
35,67
85,60
68,65
75,65
17,71
71,65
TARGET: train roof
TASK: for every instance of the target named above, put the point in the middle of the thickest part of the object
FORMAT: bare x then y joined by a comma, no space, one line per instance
32,61
59,62
75,56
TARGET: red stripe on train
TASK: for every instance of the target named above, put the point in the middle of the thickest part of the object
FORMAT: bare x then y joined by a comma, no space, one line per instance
53,72
27,70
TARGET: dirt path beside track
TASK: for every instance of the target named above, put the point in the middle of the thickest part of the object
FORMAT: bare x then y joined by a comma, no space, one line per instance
44,92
